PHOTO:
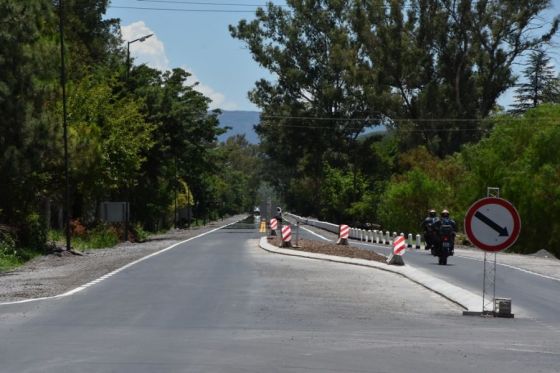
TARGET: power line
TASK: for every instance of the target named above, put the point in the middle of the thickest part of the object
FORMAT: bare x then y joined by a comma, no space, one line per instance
206,3
183,10
369,119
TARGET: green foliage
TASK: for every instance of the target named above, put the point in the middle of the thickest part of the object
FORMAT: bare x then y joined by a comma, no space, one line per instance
529,179
33,233
135,137
102,236
140,234
540,86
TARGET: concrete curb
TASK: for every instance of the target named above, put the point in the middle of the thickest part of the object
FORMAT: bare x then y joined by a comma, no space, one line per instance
464,298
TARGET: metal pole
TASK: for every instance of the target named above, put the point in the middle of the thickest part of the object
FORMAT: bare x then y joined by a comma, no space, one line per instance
64,124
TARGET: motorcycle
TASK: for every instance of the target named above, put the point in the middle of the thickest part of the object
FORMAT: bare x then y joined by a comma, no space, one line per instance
445,245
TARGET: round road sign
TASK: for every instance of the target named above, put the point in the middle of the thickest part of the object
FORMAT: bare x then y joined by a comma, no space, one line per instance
492,224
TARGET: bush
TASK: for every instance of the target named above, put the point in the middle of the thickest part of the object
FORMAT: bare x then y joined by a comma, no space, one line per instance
101,236
33,234
139,232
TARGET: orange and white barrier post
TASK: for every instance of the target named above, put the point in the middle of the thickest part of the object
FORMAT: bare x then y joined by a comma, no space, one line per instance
273,227
399,248
344,231
286,236
399,245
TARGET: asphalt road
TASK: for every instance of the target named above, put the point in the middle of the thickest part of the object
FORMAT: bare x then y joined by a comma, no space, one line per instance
220,304
532,295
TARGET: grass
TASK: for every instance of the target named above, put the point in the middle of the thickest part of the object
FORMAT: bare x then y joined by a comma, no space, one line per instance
17,258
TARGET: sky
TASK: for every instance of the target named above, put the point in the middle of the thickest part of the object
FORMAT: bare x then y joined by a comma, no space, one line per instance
200,43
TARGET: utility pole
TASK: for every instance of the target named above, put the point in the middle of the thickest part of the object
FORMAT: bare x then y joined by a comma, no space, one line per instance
64,124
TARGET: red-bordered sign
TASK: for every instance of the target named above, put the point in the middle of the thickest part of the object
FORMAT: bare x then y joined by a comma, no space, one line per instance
492,224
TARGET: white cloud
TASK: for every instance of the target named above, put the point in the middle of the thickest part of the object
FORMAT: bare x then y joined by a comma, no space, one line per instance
151,51
219,100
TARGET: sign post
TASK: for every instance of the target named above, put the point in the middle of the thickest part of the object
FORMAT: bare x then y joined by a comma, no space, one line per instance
492,224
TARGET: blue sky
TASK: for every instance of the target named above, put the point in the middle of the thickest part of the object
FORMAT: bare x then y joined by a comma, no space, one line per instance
201,43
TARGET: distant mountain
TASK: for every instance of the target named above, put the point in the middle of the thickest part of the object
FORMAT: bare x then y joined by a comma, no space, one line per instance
241,122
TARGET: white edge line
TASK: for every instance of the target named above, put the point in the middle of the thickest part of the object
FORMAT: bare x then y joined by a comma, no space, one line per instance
114,272
316,234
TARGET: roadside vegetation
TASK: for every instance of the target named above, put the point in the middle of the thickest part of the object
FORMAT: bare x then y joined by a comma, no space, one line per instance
430,73
135,134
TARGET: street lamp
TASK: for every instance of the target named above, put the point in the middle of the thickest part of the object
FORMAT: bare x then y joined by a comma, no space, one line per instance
140,39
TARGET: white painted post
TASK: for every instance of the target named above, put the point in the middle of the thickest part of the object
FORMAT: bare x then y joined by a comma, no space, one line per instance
409,240
370,235
418,241
394,238
387,238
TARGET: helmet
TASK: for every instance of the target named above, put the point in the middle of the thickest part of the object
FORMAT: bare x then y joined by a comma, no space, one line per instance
432,213
445,213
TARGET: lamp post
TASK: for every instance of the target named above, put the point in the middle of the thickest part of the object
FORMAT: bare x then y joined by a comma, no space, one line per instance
140,39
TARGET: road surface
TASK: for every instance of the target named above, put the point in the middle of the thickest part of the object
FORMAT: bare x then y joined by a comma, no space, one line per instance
220,304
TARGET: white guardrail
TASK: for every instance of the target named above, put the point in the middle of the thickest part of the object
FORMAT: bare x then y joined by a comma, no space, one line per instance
373,236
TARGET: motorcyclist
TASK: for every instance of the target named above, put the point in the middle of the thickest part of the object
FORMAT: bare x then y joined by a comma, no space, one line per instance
446,220
428,225
279,215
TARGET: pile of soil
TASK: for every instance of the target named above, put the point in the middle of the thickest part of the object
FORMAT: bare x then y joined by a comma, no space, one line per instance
328,248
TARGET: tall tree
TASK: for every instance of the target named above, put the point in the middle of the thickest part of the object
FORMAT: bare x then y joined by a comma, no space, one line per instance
540,86
447,60
317,107
28,90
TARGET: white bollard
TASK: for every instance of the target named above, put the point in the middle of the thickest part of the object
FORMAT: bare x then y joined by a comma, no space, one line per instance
409,240
376,236
393,238
387,238
370,236
418,241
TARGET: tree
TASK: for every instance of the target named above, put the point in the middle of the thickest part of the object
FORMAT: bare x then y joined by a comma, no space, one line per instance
28,130
446,61
541,84
185,134
317,108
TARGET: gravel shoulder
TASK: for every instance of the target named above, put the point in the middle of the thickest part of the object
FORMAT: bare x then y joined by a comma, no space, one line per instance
53,274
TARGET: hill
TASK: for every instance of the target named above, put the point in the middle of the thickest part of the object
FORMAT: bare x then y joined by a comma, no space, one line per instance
241,122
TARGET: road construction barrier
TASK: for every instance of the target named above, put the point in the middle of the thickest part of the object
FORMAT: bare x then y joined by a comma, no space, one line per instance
343,234
378,235
273,226
399,245
286,236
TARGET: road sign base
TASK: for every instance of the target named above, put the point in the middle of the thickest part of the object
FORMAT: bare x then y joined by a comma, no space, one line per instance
488,314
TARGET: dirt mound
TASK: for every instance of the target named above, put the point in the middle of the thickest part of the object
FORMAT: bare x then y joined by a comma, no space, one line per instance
328,248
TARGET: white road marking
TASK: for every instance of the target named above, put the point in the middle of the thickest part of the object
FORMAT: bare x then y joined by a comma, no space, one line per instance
475,259
316,234
110,274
